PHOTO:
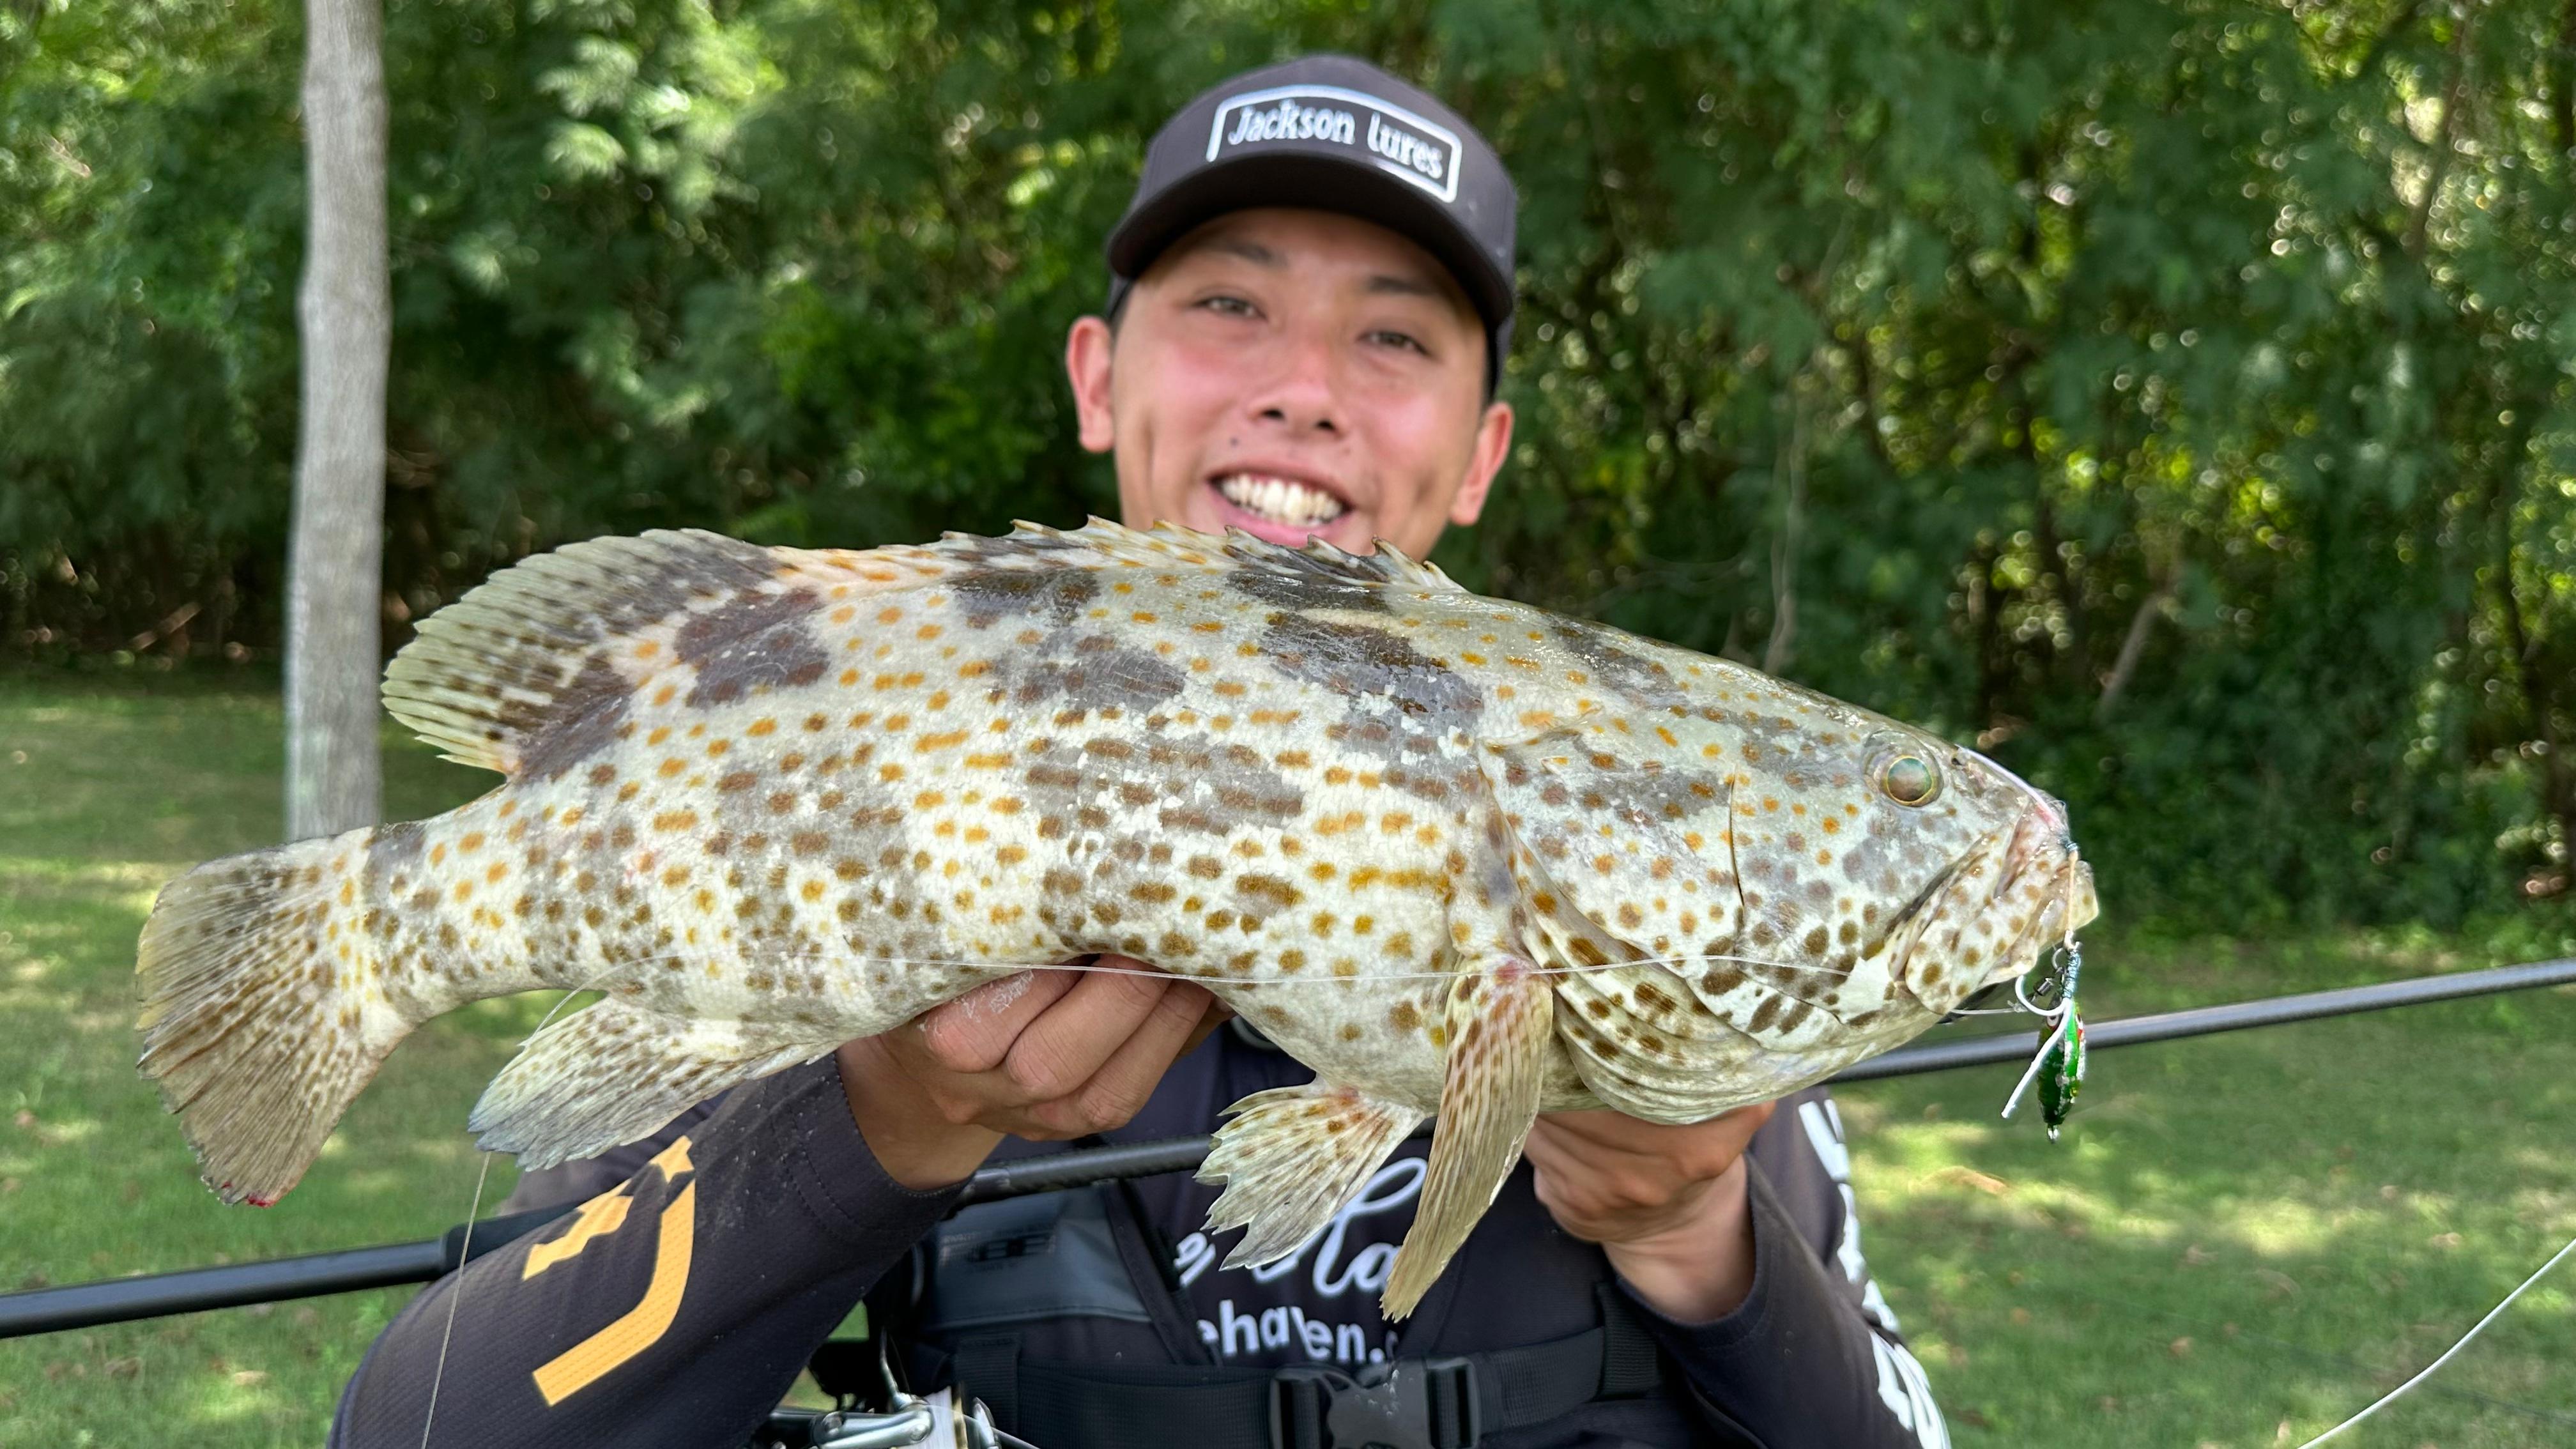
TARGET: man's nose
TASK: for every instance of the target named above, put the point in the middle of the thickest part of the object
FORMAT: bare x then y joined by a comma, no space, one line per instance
1302,394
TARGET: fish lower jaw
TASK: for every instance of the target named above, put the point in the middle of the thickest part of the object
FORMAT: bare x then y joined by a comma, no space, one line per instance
1280,500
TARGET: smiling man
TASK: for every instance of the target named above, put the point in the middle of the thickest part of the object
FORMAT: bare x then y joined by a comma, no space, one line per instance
1297,374
1311,299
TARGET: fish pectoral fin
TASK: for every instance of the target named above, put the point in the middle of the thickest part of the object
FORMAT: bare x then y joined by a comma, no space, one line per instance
614,1073
1500,1020
1291,1158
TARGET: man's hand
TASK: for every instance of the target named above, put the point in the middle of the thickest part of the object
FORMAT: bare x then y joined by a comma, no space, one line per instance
1043,1055
1667,1204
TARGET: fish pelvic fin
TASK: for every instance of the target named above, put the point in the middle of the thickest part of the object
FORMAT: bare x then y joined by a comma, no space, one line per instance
1291,1157
262,1014
612,1073
1500,1022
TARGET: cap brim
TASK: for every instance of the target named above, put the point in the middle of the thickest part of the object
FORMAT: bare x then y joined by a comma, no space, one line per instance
1325,183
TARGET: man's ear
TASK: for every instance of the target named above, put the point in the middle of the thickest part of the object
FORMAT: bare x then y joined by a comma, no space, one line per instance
1493,445
1086,362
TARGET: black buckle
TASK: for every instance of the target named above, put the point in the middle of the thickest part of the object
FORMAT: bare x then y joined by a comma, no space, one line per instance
1410,1403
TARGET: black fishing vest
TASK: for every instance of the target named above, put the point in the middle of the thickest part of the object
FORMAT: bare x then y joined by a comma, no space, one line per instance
1081,1321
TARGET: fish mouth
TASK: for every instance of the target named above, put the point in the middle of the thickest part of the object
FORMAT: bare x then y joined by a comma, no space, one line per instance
2045,898
1970,928
2067,905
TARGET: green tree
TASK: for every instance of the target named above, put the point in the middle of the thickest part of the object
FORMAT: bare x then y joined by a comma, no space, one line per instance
2171,398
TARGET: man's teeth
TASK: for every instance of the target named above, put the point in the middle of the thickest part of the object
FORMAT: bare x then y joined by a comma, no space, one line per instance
1281,500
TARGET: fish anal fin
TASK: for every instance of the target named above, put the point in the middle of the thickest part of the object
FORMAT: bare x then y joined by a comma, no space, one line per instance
1291,1157
1500,1021
613,1073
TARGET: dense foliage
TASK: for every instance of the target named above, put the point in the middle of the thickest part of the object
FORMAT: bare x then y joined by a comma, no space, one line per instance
2172,397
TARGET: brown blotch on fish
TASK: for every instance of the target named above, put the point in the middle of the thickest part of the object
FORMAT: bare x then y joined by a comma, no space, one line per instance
1061,595
759,641
578,719
1369,664
1303,591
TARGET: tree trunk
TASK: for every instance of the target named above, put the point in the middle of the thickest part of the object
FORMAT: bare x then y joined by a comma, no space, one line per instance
335,558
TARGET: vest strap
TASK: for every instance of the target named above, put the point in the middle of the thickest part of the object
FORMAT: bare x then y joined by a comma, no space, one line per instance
1407,1403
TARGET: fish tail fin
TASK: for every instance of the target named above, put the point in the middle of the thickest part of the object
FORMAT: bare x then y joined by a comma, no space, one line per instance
1290,1158
258,1021
1500,1022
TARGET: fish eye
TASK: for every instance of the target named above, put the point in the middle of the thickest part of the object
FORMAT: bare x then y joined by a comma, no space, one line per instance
1904,774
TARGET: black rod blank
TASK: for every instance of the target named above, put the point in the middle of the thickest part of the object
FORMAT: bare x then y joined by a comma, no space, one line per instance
2210,1020
116,1300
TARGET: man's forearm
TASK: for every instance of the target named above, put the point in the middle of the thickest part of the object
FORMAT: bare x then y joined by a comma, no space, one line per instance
1701,1270
676,1308
904,1127
1796,1362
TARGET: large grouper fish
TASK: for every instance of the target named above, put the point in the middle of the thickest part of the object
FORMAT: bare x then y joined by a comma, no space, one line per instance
1458,855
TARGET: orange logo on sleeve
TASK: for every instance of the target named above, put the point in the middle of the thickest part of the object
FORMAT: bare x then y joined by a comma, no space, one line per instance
642,1326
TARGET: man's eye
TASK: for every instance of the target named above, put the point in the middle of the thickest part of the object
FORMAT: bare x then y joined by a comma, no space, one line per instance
1228,306
1385,337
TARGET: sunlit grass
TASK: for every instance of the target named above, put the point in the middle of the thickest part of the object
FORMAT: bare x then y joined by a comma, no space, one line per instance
2237,1233
2246,1231
106,792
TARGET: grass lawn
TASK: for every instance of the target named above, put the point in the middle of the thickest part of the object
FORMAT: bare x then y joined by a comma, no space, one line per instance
2241,1239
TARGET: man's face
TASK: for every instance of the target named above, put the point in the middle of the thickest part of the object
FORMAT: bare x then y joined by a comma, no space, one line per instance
1296,374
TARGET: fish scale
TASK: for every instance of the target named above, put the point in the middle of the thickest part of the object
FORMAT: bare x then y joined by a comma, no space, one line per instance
1459,855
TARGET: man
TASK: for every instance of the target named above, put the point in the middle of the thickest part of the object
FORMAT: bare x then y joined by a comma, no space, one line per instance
1311,301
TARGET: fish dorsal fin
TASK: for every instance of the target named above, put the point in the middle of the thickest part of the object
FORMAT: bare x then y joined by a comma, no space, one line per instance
555,640
1386,566
1102,543
531,648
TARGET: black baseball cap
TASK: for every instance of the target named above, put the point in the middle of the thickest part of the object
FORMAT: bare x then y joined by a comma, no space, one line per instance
1334,133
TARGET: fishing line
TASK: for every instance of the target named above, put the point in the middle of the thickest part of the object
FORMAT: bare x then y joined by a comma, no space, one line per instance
1008,968
2058,1064
2428,1370
465,1252
464,1255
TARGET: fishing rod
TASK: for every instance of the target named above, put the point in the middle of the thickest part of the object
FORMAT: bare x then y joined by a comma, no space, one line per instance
277,1280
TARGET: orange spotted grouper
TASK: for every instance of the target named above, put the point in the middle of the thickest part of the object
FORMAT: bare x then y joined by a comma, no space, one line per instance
1457,855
